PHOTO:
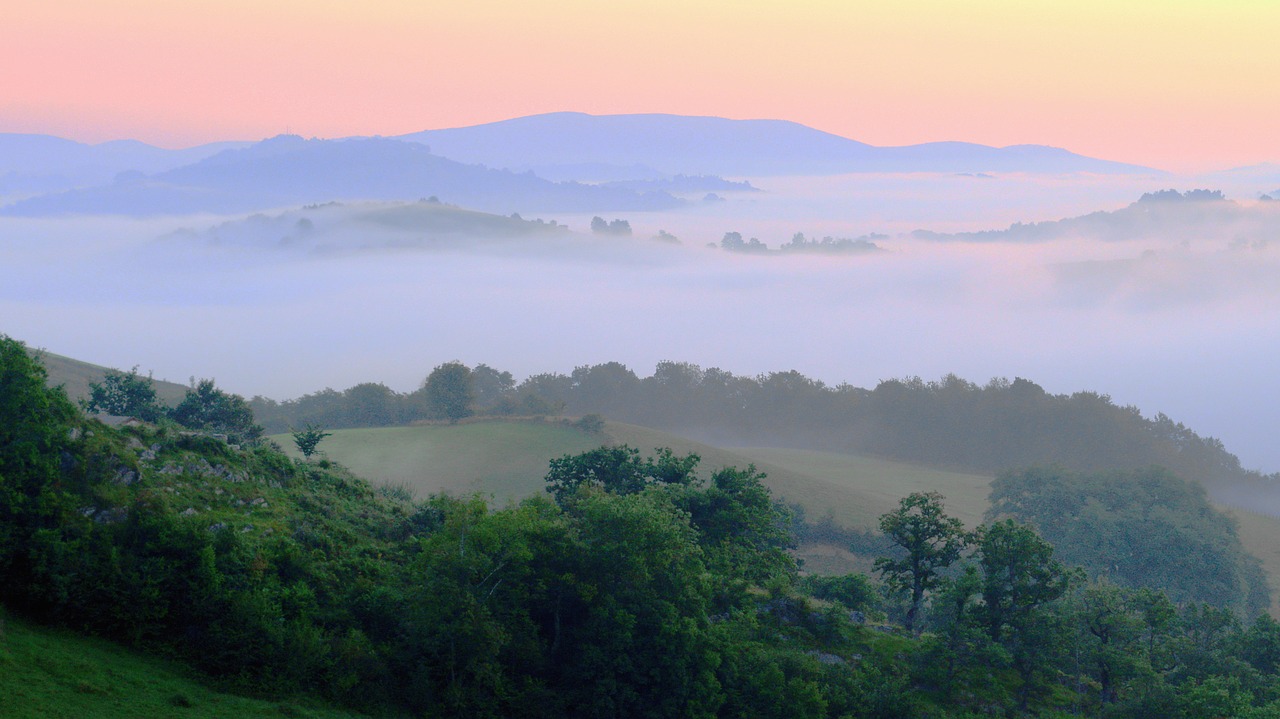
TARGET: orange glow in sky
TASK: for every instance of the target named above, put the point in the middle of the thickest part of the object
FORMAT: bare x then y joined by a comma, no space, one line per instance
1177,84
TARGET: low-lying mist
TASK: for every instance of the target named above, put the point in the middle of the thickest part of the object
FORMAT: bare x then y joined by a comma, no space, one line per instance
1182,325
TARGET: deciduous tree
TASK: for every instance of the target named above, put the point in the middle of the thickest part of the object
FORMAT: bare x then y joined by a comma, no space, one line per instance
932,541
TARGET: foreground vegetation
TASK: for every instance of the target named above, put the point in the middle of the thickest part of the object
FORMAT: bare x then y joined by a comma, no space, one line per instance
636,585
57,674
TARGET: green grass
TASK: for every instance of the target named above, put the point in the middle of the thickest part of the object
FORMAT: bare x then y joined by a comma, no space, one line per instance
75,376
507,459
856,490
54,674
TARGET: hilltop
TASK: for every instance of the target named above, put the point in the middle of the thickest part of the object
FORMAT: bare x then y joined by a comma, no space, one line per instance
288,170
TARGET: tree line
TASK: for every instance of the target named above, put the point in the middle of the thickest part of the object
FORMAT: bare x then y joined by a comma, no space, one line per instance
950,423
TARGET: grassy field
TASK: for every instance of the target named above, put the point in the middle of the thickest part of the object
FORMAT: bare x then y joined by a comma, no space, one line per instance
52,674
508,459
856,490
505,459
75,377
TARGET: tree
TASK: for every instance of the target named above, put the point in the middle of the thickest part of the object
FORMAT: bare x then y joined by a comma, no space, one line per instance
617,470
448,391
490,386
932,541
308,438
210,409
1019,578
36,424
125,394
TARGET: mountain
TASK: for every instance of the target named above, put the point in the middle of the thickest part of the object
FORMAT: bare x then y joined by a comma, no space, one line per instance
288,170
677,144
42,163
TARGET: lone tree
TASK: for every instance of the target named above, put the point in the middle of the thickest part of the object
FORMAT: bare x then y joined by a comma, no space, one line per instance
449,392
308,438
125,394
932,541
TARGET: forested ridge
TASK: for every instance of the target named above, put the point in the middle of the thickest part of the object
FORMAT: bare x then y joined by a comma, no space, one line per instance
630,588
949,423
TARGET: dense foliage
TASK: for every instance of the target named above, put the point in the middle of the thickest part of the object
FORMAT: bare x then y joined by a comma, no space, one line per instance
631,588
1144,528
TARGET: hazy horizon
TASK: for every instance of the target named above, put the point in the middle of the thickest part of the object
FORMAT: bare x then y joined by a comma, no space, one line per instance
1180,325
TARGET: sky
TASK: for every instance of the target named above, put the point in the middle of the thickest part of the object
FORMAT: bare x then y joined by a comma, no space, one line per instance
1183,85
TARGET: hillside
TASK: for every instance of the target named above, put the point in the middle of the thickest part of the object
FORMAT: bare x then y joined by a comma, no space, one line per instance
55,674
288,170
676,144
365,226
508,459
75,376
32,164
288,578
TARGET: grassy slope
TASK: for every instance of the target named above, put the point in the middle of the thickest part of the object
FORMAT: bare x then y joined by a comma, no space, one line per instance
870,487
75,377
52,674
509,460
505,459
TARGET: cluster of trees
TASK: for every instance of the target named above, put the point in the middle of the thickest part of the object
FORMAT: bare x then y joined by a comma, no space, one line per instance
630,588
451,392
733,242
833,245
1140,528
205,407
1001,599
600,226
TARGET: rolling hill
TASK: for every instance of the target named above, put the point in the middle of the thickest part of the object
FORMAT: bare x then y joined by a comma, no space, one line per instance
289,170
75,375
33,164
508,459
554,143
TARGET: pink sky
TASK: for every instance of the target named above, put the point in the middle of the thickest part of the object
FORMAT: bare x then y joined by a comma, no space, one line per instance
1177,84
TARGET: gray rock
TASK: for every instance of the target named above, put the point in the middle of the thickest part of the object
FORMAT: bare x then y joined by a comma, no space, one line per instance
217,527
125,476
189,512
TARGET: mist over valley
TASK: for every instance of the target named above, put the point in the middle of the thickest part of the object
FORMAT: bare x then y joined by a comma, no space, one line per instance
1069,280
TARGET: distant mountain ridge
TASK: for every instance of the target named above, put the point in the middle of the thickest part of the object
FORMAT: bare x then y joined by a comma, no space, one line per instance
43,163
288,171
678,144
